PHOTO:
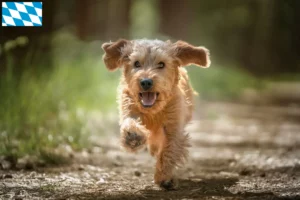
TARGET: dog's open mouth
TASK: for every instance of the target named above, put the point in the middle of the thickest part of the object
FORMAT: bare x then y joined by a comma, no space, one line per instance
148,98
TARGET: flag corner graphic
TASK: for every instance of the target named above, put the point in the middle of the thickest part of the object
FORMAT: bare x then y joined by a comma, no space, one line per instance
22,13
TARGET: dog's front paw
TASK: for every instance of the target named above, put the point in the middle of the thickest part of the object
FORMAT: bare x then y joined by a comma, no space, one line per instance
133,136
134,140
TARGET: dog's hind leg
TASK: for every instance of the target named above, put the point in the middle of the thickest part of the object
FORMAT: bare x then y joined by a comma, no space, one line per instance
173,154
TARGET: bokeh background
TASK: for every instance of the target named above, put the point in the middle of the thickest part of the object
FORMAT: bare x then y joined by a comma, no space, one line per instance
55,92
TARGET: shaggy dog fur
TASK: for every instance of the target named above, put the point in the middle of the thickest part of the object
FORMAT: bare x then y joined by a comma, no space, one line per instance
155,98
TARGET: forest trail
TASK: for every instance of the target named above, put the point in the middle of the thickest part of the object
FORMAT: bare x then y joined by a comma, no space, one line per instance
238,152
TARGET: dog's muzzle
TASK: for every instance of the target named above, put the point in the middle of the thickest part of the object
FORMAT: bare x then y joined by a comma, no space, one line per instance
148,98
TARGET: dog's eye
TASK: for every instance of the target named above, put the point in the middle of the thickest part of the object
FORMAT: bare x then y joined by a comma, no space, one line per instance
137,64
161,65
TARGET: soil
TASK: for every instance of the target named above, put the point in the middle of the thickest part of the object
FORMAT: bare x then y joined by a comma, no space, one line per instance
238,152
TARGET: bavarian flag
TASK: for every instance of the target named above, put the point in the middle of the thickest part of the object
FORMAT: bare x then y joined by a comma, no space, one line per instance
22,14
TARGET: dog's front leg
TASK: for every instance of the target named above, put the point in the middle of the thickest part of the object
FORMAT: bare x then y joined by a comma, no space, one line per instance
172,154
133,134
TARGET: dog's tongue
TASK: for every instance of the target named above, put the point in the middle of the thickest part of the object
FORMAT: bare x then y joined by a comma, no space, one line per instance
148,98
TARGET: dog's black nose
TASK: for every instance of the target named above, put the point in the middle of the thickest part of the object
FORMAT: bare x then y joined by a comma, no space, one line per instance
146,83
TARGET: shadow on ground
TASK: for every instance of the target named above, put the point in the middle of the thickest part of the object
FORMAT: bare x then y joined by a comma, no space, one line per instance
189,189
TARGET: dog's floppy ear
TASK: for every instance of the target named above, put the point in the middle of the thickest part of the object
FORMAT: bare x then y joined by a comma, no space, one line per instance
189,54
114,56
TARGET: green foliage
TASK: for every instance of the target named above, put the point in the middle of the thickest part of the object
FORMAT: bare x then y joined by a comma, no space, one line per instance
40,111
222,83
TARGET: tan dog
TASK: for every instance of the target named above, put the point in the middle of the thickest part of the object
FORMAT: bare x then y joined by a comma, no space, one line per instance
155,98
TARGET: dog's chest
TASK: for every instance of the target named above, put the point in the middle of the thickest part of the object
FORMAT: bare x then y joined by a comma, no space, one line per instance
153,122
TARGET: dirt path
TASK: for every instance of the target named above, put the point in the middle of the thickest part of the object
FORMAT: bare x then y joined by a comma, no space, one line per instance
238,152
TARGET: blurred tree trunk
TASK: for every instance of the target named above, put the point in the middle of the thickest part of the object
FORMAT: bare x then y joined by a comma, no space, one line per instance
256,53
90,19
286,36
105,19
174,18
271,45
118,19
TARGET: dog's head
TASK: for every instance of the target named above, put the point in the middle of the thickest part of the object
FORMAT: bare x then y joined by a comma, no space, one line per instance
151,68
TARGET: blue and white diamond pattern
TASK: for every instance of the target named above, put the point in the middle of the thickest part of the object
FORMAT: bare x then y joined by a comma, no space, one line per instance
22,14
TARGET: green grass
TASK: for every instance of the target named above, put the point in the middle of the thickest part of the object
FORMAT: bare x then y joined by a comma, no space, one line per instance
50,109
40,111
